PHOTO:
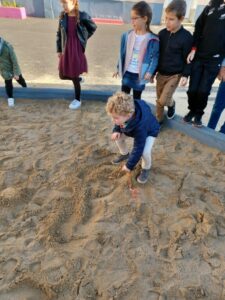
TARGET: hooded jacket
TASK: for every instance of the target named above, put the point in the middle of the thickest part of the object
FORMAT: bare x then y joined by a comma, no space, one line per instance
9,66
85,29
139,127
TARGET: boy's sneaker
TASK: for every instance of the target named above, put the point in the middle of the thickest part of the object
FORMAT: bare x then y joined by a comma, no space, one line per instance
197,121
188,118
120,158
171,111
143,177
75,104
11,102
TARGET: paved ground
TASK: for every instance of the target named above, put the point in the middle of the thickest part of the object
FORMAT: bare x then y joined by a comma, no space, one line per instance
34,42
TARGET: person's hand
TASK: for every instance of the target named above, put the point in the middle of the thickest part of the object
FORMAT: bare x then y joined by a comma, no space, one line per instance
125,169
152,79
59,54
115,74
221,75
147,76
16,77
115,136
191,56
183,81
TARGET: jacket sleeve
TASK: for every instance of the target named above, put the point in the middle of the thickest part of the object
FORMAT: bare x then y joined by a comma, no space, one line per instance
89,24
58,40
199,26
116,128
186,50
16,67
138,148
154,57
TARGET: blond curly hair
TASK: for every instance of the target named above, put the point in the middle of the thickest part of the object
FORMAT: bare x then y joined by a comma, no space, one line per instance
120,103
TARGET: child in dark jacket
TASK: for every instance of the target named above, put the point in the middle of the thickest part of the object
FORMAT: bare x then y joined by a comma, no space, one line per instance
75,28
133,118
175,45
10,69
207,55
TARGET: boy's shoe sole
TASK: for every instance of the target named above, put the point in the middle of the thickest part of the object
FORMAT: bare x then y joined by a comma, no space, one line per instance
119,159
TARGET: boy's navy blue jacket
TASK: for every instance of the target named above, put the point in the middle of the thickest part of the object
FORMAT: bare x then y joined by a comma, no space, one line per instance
174,49
140,126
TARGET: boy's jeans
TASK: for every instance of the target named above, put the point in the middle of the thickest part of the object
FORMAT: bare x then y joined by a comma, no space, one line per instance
146,155
218,108
165,88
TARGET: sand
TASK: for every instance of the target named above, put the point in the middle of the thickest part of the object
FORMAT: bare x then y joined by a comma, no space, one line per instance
70,228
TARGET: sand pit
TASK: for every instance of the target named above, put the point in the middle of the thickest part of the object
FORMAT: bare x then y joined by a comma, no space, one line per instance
69,228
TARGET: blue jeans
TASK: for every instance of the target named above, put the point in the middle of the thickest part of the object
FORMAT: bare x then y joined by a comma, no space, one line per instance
218,108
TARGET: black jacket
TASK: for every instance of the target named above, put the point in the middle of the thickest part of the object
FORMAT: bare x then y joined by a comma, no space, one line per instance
209,34
174,49
85,28
139,127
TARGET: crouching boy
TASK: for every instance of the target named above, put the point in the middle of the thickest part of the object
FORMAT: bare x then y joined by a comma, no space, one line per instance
133,119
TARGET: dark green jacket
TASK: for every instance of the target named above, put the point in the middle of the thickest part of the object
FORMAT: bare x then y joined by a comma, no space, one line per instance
9,66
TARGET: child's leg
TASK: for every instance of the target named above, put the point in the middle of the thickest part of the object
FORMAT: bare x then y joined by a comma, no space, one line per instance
137,94
121,144
218,106
146,155
165,88
22,81
77,88
126,89
9,88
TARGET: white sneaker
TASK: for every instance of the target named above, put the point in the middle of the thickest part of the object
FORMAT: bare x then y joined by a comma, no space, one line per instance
75,104
11,102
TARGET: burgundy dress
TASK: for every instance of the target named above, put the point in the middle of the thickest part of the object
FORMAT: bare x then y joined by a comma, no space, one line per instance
73,61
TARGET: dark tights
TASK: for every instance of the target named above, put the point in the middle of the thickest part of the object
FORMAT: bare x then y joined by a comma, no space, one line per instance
77,89
136,94
9,85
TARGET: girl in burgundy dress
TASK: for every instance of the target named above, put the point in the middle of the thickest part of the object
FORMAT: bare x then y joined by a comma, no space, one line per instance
75,27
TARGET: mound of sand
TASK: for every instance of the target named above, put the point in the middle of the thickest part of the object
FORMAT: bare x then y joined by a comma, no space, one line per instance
71,229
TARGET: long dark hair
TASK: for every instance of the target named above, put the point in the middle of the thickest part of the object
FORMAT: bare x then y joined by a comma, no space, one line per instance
143,9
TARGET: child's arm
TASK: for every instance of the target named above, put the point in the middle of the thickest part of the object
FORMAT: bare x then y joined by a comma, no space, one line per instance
89,24
199,27
154,44
188,40
15,65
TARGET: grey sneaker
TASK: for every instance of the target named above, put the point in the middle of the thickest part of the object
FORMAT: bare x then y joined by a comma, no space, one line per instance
143,177
120,158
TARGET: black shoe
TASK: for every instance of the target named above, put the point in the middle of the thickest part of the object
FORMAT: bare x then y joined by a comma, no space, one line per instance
171,111
120,158
188,118
143,177
197,121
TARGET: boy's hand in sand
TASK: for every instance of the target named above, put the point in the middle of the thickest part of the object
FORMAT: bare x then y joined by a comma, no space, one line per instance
125,169
115,75
183,81
191,56
115,136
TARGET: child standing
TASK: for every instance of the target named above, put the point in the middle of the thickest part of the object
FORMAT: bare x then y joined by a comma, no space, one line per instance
207,54
9,69
175,45
139,51
75,28
219,104
133,118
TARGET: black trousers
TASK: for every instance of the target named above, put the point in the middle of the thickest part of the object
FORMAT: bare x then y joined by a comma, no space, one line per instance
136,94
9,85
203,74
77,88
